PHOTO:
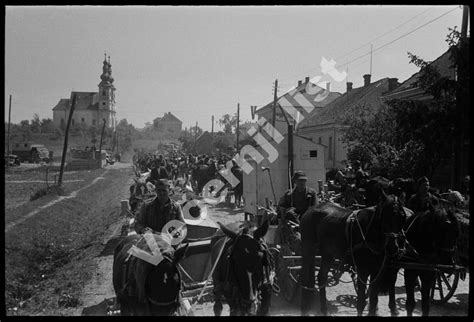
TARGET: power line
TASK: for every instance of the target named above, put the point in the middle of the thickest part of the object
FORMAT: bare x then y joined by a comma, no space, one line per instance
385,33
363,55
391,42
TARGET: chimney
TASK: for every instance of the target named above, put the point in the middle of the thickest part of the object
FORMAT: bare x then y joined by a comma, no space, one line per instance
392,84
349,86
366,80
300,82
306,79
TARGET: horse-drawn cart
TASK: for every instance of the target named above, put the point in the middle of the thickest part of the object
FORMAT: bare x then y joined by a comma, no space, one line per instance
284,247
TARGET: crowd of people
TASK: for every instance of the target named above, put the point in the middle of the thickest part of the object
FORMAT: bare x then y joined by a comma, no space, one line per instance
195,170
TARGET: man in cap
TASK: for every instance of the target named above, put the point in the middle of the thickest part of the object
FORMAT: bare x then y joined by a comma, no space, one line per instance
423,199
157,213
296,201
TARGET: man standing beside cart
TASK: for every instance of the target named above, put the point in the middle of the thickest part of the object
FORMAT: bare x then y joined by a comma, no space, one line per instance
297,200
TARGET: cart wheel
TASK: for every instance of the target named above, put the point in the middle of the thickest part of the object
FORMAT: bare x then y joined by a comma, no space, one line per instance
444,287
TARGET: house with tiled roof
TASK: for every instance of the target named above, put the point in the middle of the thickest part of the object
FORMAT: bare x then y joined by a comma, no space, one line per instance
168,122
207,143
298,103
327,127
410,88
91,108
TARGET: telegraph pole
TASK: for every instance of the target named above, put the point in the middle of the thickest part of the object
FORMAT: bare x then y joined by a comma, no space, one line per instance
195,135
461,142
8,138
237,128
100,145
66,133
212,135
274,101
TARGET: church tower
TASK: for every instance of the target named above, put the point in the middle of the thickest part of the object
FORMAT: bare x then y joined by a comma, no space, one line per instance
106,96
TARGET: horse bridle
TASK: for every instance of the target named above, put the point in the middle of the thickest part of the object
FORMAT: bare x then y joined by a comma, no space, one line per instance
174,301
235,286
388,236
451,250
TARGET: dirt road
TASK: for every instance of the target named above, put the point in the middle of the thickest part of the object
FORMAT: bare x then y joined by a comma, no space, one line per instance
341,297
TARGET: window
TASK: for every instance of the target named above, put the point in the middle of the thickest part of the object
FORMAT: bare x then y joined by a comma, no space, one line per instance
320,140
26,145
93,122
330,148
313,153
103,93
103,103
82,120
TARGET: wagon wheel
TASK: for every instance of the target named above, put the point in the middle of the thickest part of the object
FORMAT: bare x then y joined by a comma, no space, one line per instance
444,286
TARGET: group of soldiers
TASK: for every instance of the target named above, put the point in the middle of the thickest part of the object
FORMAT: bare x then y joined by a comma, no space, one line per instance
192,170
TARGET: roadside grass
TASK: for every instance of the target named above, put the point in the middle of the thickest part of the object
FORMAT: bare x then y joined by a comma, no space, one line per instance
49,256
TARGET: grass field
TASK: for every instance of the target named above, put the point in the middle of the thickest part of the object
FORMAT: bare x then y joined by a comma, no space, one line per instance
48,257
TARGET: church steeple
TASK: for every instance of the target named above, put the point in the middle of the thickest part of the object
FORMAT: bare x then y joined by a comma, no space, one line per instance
106,94
106,76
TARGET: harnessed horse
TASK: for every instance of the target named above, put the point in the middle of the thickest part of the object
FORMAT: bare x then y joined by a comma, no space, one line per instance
242,273
364,239
143,288
430,239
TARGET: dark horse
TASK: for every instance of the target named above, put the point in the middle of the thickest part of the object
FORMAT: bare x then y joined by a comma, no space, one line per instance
363,239
143,288
431,239
242,269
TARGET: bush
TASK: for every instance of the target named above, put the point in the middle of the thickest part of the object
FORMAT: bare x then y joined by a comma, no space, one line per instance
46,191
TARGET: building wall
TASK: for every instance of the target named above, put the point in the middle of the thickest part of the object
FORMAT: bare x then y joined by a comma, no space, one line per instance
331,138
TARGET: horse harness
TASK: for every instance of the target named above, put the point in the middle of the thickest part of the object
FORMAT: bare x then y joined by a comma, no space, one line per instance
129,285
231,287
374,249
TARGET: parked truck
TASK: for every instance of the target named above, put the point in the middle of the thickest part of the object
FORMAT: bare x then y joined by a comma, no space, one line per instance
31,152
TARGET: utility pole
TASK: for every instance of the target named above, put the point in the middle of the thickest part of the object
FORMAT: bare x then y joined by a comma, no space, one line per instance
461,142
63,158
370,60
8,135
195,135
274,101
237,128
212,135
100,145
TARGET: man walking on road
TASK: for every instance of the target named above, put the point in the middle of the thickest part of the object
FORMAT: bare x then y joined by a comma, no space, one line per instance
157,213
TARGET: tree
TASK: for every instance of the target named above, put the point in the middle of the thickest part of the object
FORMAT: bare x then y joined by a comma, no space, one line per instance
47,126
410,137
35,124
228,122
195,131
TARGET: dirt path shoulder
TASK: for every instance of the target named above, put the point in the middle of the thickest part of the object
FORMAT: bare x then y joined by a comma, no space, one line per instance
52,255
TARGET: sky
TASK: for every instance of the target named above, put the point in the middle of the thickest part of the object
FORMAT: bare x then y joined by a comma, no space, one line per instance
199,61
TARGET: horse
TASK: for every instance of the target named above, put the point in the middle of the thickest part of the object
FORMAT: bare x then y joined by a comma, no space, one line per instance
242,271
430,238
363,239
143,288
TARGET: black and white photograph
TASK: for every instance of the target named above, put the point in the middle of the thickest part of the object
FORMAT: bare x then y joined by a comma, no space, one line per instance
254,160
